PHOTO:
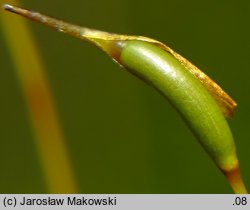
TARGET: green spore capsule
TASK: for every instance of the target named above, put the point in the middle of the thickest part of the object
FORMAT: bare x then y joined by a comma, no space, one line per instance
198,99
186,94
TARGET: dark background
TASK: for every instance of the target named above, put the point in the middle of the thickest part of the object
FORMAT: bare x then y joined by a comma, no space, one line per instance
122,136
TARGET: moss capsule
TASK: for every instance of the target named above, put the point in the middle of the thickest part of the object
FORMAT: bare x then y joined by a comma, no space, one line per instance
186,94
199,100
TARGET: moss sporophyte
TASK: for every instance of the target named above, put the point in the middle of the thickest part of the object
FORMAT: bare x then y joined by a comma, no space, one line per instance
197,98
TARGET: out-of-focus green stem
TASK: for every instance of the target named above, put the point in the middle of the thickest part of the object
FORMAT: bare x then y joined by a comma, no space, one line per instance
34,84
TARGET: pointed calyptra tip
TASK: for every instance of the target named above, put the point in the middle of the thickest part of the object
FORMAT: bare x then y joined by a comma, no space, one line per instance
17,10
11,8
108,42
8,7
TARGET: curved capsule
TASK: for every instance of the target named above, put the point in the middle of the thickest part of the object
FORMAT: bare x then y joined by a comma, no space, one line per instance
199,100
186,94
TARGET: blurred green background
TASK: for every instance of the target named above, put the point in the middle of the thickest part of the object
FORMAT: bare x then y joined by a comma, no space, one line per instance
122,136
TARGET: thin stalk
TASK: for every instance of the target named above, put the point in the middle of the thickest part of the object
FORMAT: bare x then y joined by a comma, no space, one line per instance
235,180
43,115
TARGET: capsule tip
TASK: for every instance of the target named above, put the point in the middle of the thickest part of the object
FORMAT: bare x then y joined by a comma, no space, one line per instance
14,9
8,7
